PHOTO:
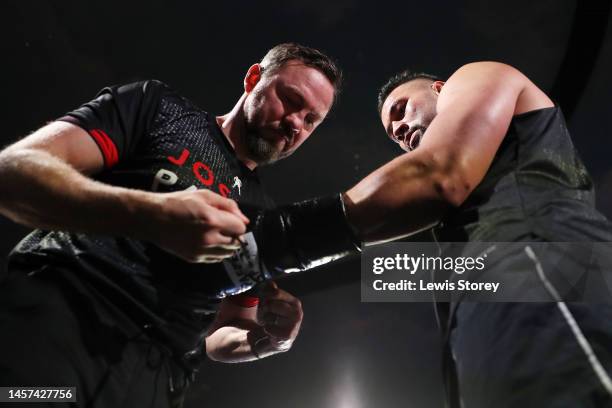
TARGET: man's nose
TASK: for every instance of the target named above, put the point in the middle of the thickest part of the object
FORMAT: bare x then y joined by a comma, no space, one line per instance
293,124
400,128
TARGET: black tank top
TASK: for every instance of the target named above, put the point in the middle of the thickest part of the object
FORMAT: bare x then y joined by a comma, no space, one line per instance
537,189
536,186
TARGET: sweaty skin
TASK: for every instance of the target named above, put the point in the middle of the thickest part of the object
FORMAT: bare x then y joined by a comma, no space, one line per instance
465,119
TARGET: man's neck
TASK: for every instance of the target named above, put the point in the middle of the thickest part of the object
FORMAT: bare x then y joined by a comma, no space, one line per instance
233,128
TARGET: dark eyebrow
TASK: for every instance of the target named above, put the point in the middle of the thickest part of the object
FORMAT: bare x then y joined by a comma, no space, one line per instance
392,110
316,115
296,91
395,107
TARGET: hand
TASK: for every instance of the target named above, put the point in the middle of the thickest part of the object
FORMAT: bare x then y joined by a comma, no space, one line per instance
197,226
280,314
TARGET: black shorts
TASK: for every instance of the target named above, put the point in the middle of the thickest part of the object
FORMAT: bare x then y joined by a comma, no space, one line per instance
553,354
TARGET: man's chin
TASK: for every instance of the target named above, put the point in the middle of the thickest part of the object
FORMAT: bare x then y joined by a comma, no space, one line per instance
261,151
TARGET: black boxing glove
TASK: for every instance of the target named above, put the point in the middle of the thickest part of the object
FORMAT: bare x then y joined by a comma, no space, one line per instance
292,238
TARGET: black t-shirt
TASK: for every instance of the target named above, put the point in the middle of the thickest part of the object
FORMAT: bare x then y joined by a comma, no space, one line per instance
151,139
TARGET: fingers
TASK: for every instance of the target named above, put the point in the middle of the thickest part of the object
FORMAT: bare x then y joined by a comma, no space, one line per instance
280,308
280,327
217,240
227,223
219,252
268,290
274,321
214,247
280,314
234,245
280,318
199,258
221,240
273,292
205,227
224,204
210,259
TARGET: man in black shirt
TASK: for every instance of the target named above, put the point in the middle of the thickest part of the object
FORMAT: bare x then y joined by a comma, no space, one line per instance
134,196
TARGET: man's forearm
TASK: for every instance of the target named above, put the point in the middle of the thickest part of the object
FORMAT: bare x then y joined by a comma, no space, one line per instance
403,197
42,191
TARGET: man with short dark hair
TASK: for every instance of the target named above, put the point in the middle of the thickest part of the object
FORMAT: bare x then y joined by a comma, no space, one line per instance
134,196
489,159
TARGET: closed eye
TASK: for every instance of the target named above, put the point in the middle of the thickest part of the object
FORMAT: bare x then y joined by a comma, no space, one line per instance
397,109
293,98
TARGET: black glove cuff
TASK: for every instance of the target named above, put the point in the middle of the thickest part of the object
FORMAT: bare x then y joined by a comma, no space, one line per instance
304,235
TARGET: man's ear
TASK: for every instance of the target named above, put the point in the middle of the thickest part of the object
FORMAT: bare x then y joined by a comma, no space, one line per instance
437,86
252,77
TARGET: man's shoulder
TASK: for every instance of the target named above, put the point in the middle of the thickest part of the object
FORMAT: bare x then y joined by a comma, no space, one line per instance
145,86
154,91
498,78
489,84
486,70
154,84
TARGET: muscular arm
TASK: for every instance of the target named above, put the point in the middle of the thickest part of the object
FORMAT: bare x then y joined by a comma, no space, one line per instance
414,191
44,183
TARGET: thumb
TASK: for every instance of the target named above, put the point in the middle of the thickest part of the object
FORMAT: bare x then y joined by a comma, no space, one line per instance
269,289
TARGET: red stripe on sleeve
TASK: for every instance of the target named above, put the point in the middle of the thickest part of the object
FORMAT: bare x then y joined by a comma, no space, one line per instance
244,300
107,146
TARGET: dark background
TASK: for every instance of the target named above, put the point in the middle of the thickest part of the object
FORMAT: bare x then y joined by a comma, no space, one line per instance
56,55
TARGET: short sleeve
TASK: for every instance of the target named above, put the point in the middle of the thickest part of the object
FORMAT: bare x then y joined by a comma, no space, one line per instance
119,117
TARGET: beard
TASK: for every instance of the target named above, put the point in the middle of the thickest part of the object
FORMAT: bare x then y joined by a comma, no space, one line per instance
259,149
